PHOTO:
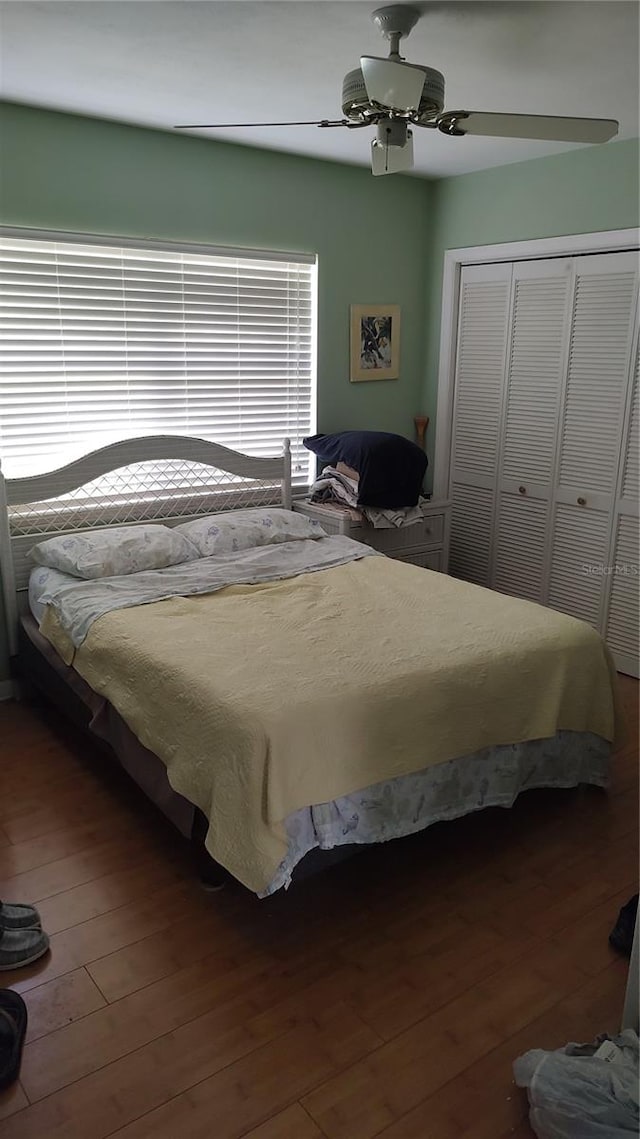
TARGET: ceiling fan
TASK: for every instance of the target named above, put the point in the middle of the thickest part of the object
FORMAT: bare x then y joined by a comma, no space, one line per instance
393,95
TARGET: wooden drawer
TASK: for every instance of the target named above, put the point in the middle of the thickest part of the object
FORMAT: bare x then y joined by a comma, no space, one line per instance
429,532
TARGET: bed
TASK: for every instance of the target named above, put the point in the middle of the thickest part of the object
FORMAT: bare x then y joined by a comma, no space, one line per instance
302,696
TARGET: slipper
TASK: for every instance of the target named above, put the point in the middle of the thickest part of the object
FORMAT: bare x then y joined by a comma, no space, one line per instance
13,1027
15,915
21,946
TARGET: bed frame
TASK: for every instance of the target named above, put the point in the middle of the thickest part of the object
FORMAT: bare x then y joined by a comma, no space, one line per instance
124,484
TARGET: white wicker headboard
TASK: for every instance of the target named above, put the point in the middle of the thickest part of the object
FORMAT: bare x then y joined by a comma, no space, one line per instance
167,478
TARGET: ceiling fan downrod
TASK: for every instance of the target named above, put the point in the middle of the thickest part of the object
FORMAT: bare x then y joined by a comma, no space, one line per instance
394,22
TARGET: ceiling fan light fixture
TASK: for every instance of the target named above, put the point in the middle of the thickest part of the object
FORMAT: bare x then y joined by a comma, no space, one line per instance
392,158
391,132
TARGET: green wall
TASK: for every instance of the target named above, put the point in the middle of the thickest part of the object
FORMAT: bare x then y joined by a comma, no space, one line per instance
582,191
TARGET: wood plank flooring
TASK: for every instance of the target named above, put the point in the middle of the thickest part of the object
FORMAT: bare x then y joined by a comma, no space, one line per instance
386,997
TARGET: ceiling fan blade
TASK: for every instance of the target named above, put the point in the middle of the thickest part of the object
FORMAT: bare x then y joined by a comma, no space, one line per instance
558,128
221,126
397,86
391,159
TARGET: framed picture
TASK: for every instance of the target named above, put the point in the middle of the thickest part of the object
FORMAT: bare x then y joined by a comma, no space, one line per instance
375,342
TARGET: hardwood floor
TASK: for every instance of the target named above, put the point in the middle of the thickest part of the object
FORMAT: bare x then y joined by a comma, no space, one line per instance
386,997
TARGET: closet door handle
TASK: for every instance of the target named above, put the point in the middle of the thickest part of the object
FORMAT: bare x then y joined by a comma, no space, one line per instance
581,501
522,490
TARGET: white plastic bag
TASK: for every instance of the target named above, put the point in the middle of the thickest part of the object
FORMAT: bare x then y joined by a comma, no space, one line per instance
583,1091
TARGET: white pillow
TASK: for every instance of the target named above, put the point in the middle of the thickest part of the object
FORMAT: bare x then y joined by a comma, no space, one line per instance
243,529
110,553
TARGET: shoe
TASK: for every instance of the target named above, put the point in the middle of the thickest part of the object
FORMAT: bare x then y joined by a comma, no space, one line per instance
13,1026
20,947
14,915
621,936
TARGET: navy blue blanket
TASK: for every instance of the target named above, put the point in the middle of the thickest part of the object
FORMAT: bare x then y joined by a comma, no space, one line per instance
391,468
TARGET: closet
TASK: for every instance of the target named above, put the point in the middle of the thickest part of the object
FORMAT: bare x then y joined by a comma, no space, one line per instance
544,447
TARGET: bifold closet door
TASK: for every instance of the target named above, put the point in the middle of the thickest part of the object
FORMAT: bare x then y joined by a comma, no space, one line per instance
483,329
591,433
544,451
623,610
537,354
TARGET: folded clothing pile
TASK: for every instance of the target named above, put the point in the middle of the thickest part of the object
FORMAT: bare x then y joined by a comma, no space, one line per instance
376,471
338,486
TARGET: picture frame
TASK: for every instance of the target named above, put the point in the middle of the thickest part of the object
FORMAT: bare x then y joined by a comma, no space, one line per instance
375,342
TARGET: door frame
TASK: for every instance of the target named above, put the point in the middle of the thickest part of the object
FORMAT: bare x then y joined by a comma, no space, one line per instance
571,245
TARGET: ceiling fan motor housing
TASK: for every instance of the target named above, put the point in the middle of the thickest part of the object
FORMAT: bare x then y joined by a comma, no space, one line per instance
357,106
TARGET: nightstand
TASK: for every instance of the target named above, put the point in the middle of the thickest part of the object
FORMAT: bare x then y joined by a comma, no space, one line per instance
424,544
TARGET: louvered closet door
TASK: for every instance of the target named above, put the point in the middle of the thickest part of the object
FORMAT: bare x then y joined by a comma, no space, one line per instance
541,300
623,615
595,398
483,324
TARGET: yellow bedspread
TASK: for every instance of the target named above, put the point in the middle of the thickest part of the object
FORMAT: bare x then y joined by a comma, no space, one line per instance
262,699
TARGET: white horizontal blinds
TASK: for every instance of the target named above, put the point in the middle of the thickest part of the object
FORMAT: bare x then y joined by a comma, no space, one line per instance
103,342
520,546
541,298
480,362
623,617
579,546
597,376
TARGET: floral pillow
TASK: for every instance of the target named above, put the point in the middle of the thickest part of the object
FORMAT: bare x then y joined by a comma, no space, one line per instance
243,529
110,553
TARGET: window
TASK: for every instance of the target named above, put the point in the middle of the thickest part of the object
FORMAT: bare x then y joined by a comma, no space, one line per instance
105,340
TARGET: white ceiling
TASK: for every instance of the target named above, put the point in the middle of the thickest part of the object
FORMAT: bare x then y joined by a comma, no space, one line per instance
160,62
